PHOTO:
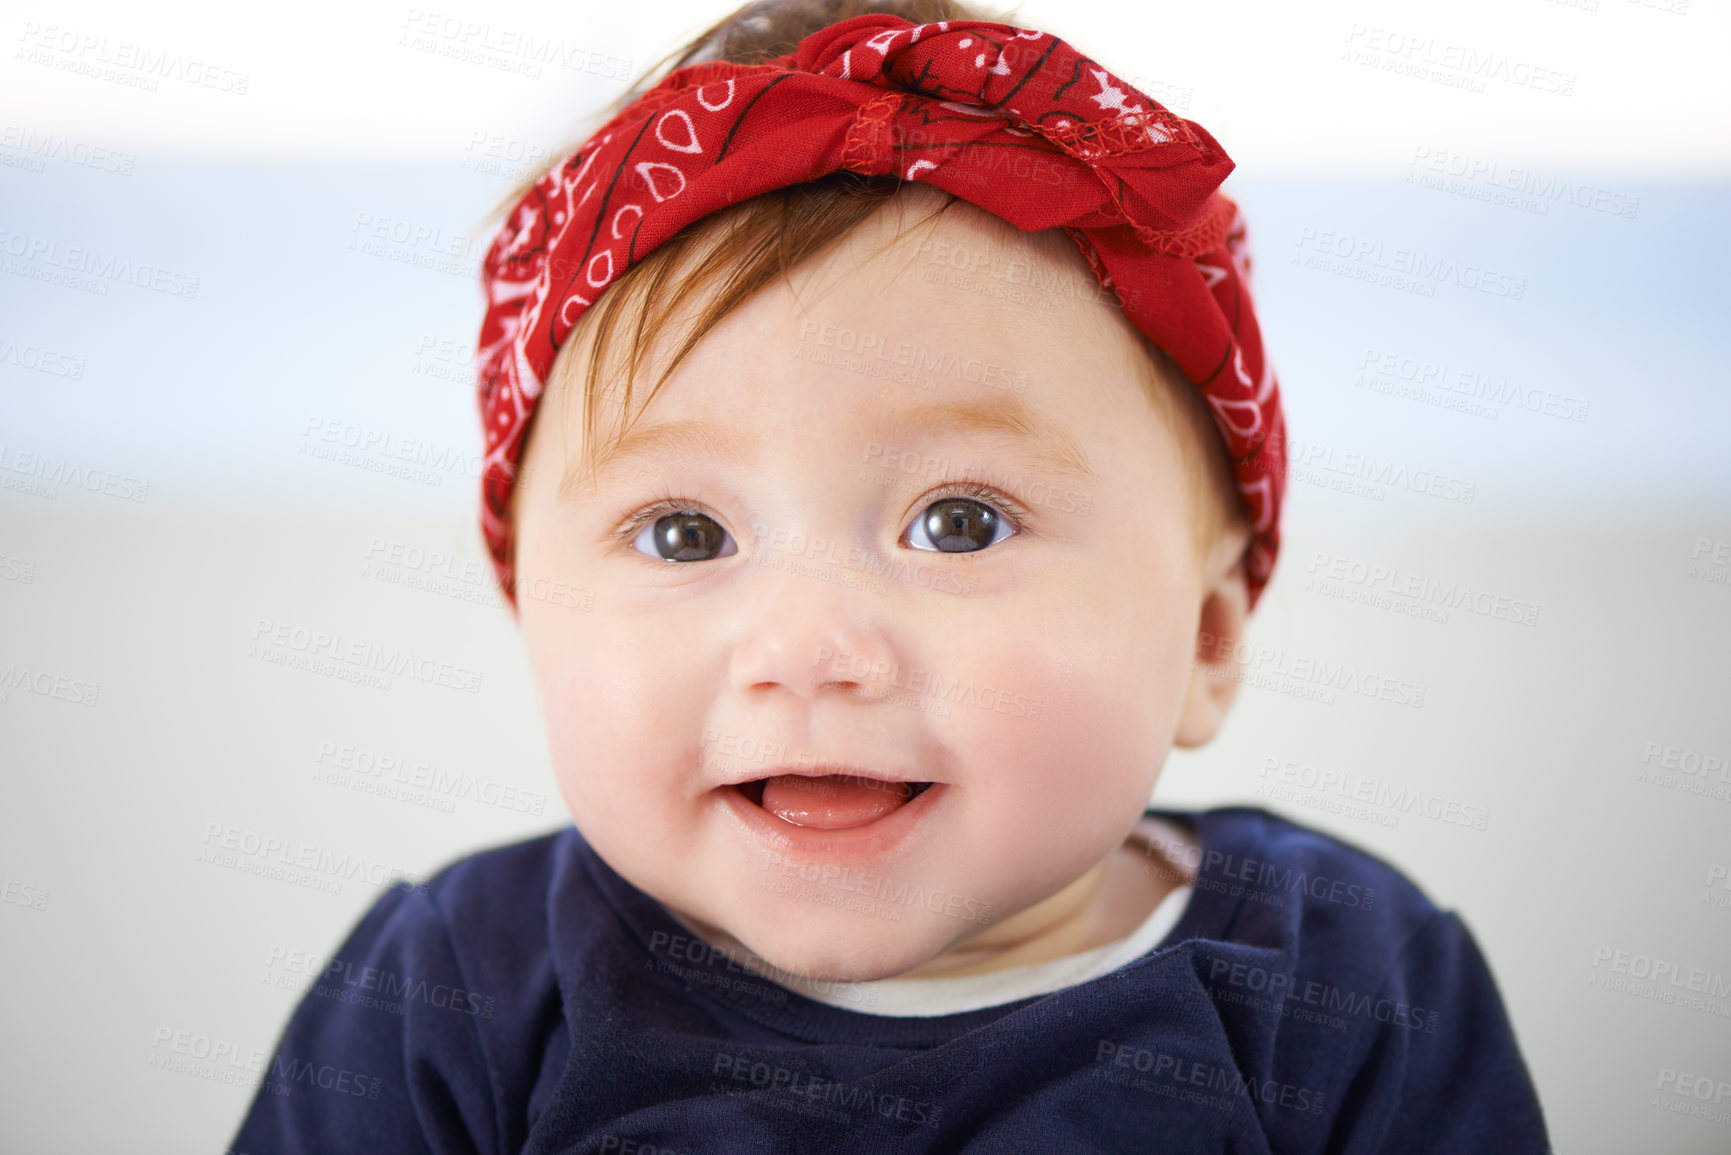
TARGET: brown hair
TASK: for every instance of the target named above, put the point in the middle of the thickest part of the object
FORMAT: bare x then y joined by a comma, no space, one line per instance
723,259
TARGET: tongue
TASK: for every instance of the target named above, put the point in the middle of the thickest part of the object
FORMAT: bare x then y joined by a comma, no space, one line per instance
833,802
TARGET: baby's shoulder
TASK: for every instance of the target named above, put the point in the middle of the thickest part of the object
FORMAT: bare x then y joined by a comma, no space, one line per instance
1282,881
486,916
499,896
1332,971
499,883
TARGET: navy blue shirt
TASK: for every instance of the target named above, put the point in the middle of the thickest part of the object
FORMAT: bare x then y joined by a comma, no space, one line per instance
530,999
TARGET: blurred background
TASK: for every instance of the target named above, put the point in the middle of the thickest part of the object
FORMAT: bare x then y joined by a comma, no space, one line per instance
239,251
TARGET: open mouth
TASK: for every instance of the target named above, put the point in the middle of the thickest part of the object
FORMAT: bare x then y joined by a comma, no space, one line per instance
830,801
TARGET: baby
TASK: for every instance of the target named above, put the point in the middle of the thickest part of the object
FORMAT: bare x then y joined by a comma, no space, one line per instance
918,465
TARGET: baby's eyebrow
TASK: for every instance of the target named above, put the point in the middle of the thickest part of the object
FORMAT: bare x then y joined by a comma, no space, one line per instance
687,436
1046,442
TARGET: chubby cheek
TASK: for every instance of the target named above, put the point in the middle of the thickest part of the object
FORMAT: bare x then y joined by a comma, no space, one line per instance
1065,752
617,717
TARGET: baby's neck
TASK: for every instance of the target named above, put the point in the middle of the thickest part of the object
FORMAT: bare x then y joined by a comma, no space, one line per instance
1106,904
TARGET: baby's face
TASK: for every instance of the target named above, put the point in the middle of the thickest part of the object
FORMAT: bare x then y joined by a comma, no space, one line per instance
844,595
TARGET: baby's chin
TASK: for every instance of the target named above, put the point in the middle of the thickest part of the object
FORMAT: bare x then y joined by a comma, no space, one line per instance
837,946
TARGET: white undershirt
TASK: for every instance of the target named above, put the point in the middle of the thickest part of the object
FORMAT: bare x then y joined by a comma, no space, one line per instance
909,998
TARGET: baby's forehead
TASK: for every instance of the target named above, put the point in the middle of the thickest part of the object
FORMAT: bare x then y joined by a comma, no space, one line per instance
927,294
923,258
950,231
959,276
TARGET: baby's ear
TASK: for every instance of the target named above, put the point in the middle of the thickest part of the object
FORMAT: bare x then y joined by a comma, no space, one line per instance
1214,672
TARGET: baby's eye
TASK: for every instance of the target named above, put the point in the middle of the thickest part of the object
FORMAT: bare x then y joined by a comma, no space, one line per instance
957,525
684,535
964,522
969,518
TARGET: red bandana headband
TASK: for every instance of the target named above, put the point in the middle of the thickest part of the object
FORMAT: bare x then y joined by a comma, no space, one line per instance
952,105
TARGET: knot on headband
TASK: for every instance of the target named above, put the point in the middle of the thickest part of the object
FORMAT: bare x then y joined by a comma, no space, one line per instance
965,106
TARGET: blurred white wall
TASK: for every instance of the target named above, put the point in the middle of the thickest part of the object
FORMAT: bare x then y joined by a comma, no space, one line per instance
260,162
